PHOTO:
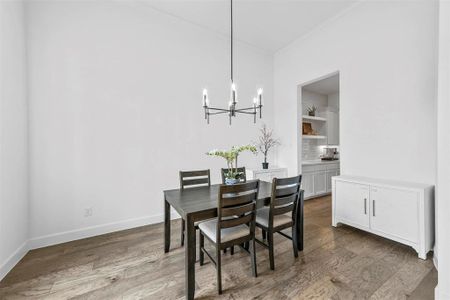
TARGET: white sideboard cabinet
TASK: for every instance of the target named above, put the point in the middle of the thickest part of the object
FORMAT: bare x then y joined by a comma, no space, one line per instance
400,211
266,174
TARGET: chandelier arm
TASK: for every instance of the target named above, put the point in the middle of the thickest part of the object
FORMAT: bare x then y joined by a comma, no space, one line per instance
218,113
247,108
219,109
246,112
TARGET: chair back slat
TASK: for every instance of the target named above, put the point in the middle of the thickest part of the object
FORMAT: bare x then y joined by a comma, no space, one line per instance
237,210
195,181
284,200
286,190
283,209
239,170
195,178
236,221
287,181
238,200
285,194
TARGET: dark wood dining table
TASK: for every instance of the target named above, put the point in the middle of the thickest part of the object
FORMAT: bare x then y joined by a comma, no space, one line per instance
200,203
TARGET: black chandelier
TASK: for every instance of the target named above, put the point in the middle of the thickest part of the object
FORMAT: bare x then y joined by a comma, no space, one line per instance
232,110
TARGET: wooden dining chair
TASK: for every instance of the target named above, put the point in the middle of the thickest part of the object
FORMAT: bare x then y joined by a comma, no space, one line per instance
240,170
189,179
243,178
238,202
281,214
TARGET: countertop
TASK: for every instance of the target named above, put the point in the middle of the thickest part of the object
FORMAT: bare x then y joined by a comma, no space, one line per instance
319,162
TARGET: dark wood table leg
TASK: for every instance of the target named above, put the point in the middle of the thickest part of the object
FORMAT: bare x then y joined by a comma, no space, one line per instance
166,226
300,222
190,258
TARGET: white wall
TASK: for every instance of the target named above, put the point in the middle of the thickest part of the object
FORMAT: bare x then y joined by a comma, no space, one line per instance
443,149
13,137
385,52
115,112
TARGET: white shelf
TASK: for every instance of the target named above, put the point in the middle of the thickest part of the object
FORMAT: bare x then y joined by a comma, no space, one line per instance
314,118
314,137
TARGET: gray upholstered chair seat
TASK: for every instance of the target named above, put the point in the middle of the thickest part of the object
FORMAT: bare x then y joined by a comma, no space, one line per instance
209,228
262,218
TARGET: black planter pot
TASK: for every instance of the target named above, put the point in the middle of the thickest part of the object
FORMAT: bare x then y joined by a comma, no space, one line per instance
265,165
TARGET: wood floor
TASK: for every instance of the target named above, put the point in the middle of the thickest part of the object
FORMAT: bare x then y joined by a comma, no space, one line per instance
337,263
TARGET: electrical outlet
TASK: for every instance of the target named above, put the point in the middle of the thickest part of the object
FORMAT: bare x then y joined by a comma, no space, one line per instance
88,212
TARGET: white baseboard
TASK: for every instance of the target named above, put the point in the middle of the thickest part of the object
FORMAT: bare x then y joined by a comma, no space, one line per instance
435,259
13,259
72,235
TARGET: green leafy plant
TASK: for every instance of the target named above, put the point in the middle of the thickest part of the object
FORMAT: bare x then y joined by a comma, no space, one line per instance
312,110
231,157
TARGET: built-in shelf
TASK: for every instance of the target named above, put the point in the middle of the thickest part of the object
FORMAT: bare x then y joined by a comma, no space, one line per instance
314,118
314,137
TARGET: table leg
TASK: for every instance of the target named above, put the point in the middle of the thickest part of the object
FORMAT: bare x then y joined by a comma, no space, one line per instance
166,226
190,258
300,222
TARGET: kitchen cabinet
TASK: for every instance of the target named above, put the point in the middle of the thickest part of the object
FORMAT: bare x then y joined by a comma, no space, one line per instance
266,174
308,185
400,211
316,178
330,174
320,183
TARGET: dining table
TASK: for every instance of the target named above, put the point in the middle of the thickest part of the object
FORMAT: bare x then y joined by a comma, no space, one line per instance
200,203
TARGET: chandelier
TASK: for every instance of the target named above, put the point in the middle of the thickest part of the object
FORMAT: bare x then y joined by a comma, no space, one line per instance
232,110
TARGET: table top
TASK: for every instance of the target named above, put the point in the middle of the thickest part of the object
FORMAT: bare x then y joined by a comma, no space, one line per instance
199,199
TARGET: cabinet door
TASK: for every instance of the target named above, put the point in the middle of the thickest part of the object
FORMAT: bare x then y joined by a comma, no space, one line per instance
330,174
308,184
320,183
395,212
352,204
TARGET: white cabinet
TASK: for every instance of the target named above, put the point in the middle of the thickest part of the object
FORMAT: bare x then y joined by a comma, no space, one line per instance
400,211
308,184
387,204
320,183
352,206
266,174
316,178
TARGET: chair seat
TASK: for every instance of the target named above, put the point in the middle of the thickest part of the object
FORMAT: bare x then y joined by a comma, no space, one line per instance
209,228
262,218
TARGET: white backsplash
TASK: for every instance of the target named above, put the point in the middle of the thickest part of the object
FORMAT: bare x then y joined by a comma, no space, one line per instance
311,149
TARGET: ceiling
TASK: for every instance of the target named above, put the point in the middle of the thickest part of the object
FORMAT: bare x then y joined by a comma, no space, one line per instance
266,24
325,86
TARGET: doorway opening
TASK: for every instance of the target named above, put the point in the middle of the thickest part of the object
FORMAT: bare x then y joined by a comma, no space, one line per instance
319,138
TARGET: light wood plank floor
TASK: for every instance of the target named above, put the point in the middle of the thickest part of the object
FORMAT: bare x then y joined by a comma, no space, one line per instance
337,263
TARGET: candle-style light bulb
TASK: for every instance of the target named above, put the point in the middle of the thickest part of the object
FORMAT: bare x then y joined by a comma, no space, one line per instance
205,98
255,101
233,92
260,92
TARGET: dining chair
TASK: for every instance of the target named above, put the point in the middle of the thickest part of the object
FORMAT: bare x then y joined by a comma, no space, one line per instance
240,170
280,215
189,179
239,202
